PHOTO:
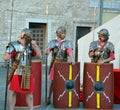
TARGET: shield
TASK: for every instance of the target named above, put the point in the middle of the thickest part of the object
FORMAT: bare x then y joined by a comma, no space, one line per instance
66,85
116,86
98,86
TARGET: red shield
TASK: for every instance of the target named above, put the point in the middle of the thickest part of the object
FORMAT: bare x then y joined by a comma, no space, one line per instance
98,86
66,85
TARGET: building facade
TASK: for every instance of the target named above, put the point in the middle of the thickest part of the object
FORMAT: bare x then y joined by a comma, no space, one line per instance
44,17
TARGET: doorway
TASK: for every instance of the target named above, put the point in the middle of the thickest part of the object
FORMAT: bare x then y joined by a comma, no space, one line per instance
39,34
80,32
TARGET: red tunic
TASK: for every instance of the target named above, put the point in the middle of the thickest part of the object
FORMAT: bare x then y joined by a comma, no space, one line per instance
15,84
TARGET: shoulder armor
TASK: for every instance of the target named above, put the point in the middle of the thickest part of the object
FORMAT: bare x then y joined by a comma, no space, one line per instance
52,43
14,46
93,45
110,46
68,44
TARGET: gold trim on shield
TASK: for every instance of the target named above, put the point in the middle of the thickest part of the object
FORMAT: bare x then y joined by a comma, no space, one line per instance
98,94
70,92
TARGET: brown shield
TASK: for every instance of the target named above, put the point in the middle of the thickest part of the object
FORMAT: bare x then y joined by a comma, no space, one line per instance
66,85
98,86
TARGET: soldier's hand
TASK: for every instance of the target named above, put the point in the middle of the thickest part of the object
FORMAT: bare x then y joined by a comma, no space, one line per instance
73,62
100,62
33,42
91,54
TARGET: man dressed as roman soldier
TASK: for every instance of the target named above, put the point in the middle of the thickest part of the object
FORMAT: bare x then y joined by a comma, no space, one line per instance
21,78
101,51
61,49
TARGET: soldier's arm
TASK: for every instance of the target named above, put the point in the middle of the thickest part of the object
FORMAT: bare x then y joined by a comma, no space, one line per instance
70,54
7,56
36,49
72,58
10,53
111,58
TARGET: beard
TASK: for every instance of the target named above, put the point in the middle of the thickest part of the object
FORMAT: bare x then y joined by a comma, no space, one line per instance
102,40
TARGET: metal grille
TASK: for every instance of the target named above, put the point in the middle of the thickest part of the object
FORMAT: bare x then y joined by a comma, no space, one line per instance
39,37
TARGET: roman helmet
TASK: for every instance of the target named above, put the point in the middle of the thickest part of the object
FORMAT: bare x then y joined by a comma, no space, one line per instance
27,34
60,30
105,33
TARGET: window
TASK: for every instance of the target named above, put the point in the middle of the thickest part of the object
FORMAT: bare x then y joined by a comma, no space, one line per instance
112,4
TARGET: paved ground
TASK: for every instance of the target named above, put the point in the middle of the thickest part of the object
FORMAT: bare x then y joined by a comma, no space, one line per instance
42,105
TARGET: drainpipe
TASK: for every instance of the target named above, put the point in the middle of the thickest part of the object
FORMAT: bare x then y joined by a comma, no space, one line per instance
101,12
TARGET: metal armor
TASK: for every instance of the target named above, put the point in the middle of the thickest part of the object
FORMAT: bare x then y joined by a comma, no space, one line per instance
25,54
59,50
99,52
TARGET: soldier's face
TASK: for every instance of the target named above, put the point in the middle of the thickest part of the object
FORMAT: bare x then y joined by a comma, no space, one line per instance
102,38
28,39
63,35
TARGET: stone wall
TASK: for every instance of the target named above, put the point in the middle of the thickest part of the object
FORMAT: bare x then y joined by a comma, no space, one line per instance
60,12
